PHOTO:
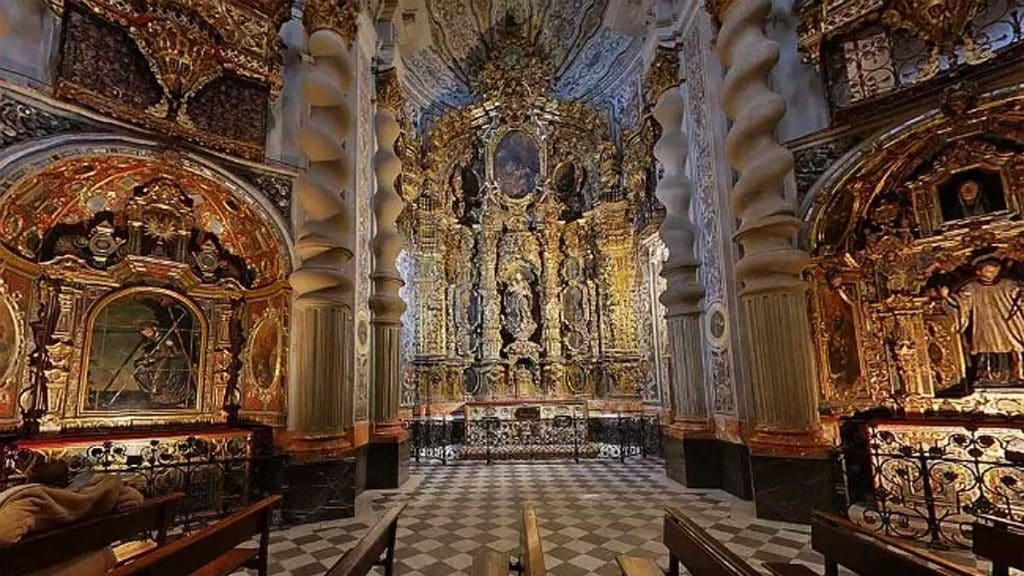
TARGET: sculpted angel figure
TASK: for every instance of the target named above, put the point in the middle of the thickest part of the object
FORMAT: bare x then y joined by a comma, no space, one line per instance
989,313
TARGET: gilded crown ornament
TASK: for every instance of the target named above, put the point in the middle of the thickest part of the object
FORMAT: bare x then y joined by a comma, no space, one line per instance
517,73
182,52
337,15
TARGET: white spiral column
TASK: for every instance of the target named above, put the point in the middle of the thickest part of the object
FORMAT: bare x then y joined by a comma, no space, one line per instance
388,463
683,291
321,395
387,307
773,298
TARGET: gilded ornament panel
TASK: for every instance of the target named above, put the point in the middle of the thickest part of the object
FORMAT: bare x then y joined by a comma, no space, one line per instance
917,267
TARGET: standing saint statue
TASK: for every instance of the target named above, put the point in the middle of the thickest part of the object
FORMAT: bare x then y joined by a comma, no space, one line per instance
519,308
988,311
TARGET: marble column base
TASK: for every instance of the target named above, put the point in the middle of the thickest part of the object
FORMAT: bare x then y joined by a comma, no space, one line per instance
322,489
387,465
789,489
708,463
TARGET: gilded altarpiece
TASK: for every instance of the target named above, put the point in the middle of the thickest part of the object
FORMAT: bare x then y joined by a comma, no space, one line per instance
138,289
520,279
918,264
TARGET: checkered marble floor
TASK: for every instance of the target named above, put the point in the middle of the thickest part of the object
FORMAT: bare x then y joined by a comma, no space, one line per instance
588,513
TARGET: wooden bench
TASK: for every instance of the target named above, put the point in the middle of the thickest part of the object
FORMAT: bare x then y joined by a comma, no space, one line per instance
692,546
52,547
531,560
212,551
379,541
866,553
1001,542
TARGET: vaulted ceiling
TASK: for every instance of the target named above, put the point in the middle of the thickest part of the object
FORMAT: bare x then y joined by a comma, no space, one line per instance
594,49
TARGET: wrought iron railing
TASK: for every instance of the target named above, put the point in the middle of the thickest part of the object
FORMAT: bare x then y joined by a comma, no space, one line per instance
929,483
215,481
567,437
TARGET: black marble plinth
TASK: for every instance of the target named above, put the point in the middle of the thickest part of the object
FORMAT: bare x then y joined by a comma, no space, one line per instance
789,489
736,470
321,490
708,463
387,465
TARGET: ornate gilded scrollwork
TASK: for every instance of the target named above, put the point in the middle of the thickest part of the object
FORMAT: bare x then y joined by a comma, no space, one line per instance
919,269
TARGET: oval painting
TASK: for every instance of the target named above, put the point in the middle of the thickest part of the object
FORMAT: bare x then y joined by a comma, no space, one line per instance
264,362
516,164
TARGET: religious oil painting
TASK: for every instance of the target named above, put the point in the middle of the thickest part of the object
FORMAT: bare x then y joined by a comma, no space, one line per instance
971,193
516,164
144,353
8,340
265,344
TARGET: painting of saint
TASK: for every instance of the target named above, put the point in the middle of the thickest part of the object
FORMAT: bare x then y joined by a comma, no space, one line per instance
144,353
7,341
516,164
265,353
971,193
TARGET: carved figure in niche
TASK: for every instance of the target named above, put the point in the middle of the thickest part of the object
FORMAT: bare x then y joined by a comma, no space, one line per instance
971,193
519,307
524,381
988,311
575,319
469,319
144,353
569,182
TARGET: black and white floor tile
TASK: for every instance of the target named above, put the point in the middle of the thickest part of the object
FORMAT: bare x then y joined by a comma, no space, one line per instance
588,513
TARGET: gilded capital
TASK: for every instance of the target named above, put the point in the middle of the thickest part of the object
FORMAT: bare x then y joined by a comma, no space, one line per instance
337,15
389,95
663,73
718,8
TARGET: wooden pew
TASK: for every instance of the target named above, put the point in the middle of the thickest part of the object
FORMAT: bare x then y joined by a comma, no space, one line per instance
692,546
51,547
531,560
866,553
366,554
212,551
1001,542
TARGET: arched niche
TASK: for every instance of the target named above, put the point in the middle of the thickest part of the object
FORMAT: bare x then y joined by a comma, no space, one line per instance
898,232
84,218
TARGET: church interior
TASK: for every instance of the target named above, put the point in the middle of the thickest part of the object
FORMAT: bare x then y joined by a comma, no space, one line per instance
435,287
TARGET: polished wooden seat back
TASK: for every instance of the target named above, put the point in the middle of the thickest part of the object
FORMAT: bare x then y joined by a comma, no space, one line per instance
867,553
691,545
45,549
1001,542
532,559
212,551
379,541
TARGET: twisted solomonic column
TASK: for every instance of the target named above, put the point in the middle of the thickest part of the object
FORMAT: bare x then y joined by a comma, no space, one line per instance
320,399
774,295
683,291
385,304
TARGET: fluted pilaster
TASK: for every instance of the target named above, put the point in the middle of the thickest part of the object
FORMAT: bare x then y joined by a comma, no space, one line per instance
320,399
683,290
773,296
385,304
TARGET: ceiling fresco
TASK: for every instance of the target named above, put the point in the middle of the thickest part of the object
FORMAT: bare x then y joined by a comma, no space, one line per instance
590,56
